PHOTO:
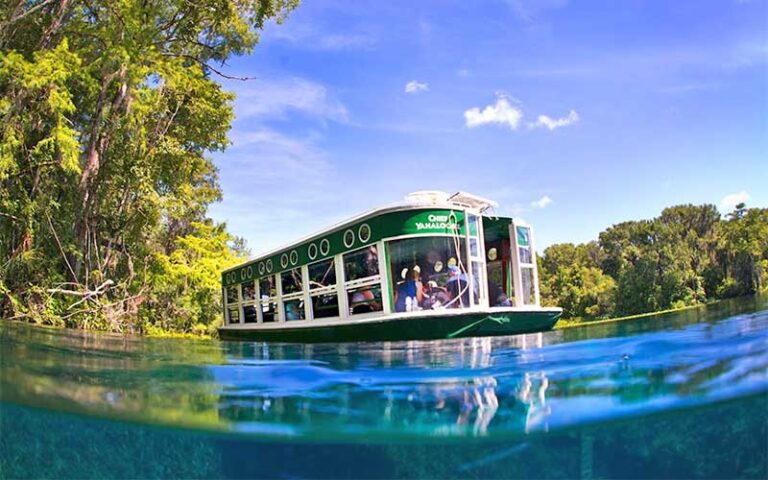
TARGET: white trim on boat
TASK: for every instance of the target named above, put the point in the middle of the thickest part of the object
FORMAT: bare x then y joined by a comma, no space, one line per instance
375,317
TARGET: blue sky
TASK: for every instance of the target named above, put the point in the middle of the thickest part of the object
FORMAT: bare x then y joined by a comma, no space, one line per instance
574,115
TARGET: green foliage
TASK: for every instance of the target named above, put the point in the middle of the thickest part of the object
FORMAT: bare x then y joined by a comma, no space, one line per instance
743,252
687,255
109,111
571,279
186,284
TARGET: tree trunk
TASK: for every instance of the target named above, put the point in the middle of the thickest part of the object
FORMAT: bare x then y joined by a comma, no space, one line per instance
55,25
99,140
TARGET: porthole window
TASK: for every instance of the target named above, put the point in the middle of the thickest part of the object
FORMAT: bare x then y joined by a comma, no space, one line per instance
325,247
284,260
349,238
261,268
364,233
269,265
312,251
294,256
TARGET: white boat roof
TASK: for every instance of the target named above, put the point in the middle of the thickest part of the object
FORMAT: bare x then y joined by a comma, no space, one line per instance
424,198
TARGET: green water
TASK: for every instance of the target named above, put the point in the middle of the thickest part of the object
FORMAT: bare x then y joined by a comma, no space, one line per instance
681,395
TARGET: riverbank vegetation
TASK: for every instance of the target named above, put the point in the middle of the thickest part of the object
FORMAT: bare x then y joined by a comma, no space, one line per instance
686,256
109,111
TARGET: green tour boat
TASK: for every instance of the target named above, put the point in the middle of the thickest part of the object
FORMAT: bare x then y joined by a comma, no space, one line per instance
433,266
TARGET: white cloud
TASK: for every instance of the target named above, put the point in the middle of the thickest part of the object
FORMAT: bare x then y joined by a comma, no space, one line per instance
542,202
730,201
275,98
262,156
344,42
415,87
294,180
553,123
502,112
464,72
529,10
309,36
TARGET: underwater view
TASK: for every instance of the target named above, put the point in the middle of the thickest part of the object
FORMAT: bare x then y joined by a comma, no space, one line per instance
679,395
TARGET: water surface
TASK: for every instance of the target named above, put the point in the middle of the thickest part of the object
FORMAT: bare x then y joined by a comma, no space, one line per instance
677,396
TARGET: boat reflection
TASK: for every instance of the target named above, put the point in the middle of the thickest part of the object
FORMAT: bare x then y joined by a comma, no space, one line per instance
418,387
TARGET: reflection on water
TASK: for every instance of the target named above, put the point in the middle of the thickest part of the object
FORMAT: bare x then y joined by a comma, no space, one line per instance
607,400
386,388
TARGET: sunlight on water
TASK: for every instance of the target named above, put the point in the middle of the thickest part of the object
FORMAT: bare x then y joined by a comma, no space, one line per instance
508,396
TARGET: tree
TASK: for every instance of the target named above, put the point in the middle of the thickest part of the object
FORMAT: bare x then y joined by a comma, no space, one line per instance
743,252
571,279
687,255
109,111
185,285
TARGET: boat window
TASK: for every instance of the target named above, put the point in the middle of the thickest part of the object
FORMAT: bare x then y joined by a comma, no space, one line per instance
525,255
361,264
364,299
269,311
291,281
477,279
325,305
267,287
249,314
294,309
322,274
474,249
248,291
472,223
528,292
428,273
524,244
232,294
234,315
268,291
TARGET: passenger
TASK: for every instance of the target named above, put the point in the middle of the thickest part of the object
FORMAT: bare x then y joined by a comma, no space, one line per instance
371,261
458,287
435,297
503,301
497,296
364,301
410,288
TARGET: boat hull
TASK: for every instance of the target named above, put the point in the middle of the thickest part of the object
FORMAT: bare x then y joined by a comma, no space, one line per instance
491,322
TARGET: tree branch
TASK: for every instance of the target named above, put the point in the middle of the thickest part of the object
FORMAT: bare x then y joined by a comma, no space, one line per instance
28,12
61,249
12,217
214,70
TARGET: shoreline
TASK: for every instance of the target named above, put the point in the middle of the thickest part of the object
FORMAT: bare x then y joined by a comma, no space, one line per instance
637,316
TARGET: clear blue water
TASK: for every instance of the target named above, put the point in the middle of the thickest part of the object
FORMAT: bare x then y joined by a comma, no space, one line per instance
682,395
